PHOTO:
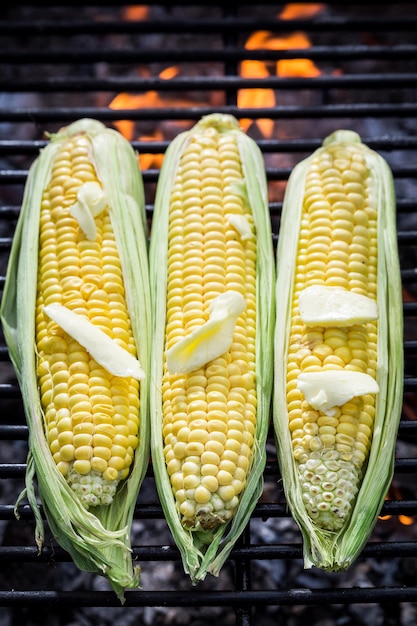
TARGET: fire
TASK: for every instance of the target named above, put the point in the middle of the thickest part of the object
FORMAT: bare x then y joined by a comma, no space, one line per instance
296,67
247,98
405,520
294,11
151,99
135,12
250,98
254,98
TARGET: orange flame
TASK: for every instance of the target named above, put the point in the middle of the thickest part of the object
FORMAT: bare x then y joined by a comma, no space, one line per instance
296,67
249,98
256,98
150,99
405,520
135,12
294,11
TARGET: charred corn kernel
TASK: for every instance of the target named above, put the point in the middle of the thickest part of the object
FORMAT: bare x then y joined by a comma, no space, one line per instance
79,259
210,254
333,407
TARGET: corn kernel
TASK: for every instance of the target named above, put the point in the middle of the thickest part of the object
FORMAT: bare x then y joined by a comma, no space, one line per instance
334,243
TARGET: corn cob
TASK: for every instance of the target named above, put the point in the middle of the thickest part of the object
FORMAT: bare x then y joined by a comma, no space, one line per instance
338,342
213,300
77,290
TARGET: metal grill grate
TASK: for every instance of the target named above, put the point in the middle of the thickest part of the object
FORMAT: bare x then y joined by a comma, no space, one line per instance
61,64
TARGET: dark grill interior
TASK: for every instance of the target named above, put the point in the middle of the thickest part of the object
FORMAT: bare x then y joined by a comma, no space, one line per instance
152,71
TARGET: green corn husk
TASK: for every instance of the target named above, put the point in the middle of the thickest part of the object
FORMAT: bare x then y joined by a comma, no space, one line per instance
336,550
204,552
98,540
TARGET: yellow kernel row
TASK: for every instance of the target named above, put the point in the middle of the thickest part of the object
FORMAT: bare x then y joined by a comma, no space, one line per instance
337,247
209,415
91,417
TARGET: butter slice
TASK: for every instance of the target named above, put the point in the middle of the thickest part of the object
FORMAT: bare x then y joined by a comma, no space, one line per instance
105,350
210,340
91,201
320,305
241,225
328,389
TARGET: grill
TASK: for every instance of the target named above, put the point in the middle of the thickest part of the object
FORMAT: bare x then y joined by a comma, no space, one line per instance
291,74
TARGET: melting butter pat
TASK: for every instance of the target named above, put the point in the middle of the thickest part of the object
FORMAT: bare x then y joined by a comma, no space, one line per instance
91,201
328,389
241,225
210,340
320,305
107,352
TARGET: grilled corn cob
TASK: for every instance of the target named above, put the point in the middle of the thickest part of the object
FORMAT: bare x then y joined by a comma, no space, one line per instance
213,300
339,362
75,312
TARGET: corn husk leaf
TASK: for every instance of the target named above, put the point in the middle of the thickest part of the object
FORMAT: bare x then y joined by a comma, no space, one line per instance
204,552
98,540
337,550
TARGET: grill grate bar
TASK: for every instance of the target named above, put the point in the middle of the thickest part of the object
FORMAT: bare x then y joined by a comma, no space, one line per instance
16,146
110,55
248,598
14,470
30,554
226,25
20,431
19,176
75,67
9,213
261,511
85,84
13,431
65,114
